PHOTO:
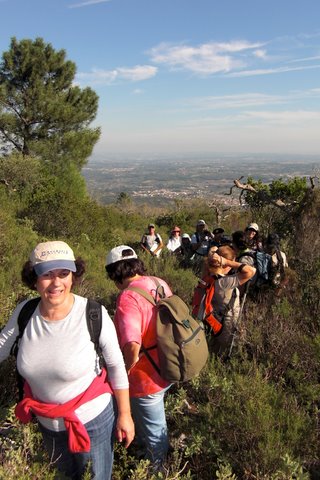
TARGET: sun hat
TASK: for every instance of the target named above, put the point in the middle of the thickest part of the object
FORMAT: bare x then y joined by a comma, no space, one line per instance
185,235
201,222
151,225
54,255
218,230
122,252
253,226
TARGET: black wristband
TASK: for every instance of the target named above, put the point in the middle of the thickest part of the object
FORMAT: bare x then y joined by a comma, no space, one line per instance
241,267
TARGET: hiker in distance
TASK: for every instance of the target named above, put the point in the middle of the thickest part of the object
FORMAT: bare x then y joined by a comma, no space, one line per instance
226,298
174,241
135,320
201,238
151,242
218,238
279,263
253,238
200,242
187,253
243,251
65,388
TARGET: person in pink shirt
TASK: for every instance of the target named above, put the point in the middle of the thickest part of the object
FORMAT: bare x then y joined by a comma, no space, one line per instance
135,321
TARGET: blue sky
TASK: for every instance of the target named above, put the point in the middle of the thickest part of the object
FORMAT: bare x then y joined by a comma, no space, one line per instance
188,76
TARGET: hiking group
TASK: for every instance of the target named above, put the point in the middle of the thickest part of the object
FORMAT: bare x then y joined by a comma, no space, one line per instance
89,380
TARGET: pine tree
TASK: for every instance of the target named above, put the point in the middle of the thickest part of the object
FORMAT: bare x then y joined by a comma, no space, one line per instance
41,111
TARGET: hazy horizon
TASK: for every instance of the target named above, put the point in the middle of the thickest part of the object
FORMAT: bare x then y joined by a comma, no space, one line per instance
212,156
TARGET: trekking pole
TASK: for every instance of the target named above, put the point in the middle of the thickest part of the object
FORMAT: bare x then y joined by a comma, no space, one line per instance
235,328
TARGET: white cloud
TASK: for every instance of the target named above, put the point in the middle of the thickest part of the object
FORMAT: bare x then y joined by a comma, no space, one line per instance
139,72
208,58
307,59
239,58
137,91
236,101
108,77
260,53
87,3
252,118
245,100
285,117
270,71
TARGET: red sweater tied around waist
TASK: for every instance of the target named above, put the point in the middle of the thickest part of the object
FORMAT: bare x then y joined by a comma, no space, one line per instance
78,438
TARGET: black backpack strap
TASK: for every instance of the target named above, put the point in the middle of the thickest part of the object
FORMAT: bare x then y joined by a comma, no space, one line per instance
153,363
23,319
94,322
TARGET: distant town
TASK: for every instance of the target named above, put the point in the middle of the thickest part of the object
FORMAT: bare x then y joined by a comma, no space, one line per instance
169,179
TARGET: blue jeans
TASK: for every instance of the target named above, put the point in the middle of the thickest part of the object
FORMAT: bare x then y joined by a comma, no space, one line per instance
73,465
151,426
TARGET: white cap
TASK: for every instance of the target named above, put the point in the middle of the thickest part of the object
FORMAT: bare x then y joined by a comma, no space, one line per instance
123,252
253,226
185,235
49,256
200,222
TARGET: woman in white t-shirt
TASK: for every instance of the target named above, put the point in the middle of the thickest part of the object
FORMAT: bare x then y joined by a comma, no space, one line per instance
65,387
174,242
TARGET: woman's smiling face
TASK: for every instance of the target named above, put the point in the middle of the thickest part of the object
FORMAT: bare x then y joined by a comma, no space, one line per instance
54,286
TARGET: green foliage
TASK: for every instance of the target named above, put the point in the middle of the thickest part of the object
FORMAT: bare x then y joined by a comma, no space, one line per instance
239,424
16,241
185,215
293,190
252,418
41,111
21,455
273,218
21,174
124,199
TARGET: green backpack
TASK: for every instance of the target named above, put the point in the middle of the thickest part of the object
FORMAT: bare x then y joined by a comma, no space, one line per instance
181,340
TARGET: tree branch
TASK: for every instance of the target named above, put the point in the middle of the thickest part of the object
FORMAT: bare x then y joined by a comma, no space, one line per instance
262,195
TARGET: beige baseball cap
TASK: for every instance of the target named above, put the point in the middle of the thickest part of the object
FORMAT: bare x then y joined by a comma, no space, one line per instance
52,256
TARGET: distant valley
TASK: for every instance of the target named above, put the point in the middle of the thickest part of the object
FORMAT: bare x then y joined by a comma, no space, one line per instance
166,179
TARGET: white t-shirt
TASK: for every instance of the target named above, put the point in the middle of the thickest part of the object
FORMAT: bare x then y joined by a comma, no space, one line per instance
275,260
174,243
59,361
151,242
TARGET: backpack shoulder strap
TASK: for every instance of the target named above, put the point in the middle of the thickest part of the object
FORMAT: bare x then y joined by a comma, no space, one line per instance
150,299
23,319
159,292
94,321
144,294
248,254
25,314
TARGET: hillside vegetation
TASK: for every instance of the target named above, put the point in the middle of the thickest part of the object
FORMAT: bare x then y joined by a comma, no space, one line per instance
254,417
